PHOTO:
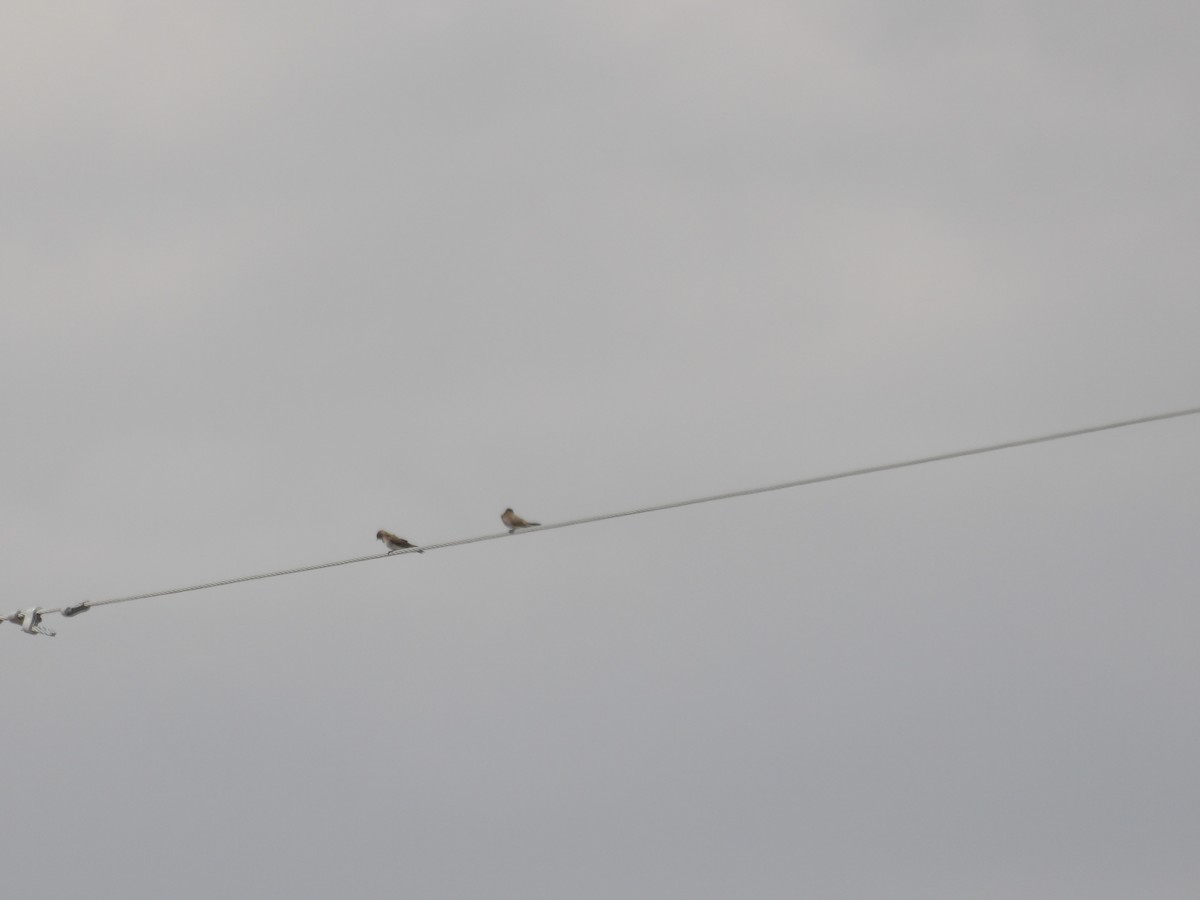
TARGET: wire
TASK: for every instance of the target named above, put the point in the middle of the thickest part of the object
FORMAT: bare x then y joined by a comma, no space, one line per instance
849,473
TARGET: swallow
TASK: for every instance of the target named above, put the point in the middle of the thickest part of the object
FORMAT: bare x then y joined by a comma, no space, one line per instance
513,521
394,543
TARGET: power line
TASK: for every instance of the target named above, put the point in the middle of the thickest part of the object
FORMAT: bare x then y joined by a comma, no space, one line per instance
849,473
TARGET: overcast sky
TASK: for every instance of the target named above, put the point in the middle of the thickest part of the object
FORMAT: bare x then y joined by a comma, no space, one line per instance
278,275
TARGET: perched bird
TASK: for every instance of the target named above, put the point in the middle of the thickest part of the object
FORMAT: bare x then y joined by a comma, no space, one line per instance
394,543
513,521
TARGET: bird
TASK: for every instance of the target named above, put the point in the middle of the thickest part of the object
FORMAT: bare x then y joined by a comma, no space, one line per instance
394,543
513,521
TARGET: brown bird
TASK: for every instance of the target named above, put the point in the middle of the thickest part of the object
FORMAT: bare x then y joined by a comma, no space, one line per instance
513,521
394,543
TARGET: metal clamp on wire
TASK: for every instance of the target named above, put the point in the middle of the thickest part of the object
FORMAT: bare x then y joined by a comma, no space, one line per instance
75,610
31,621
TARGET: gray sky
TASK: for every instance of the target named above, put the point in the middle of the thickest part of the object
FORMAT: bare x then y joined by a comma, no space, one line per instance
276,276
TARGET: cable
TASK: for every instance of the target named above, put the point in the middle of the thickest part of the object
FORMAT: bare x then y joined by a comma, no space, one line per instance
849,473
